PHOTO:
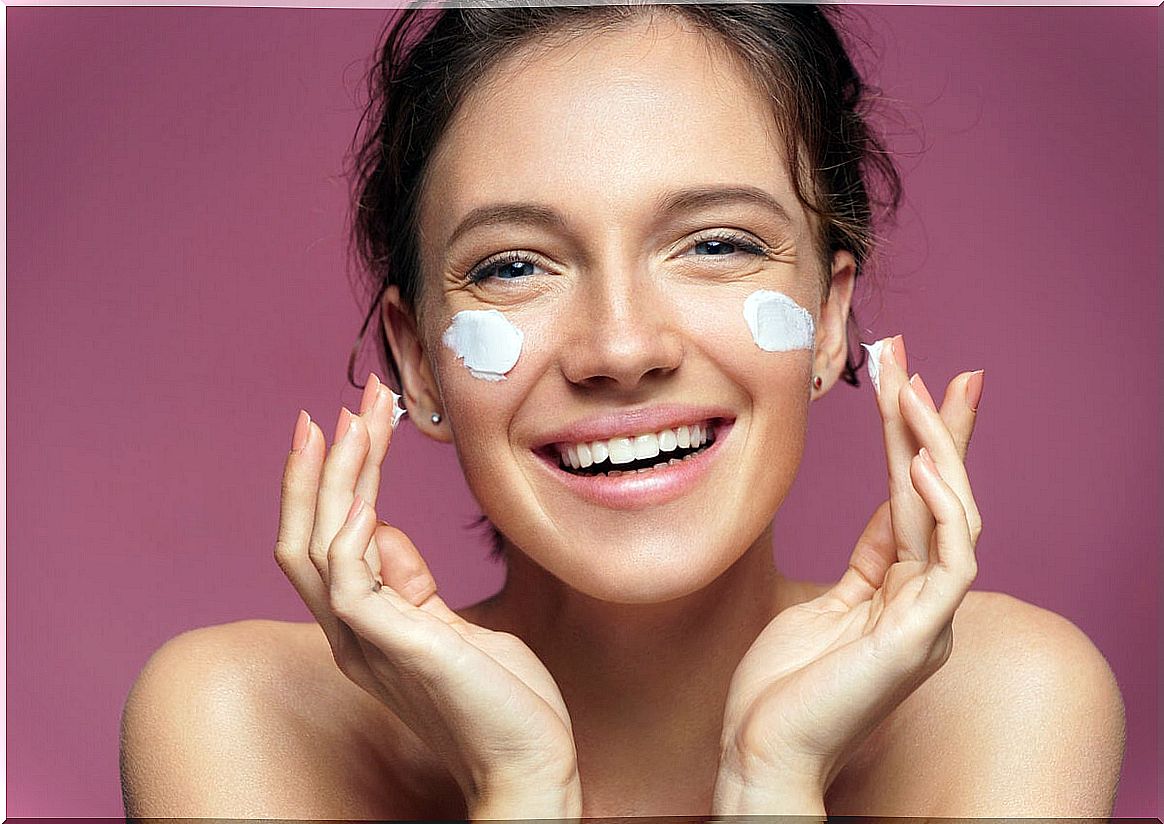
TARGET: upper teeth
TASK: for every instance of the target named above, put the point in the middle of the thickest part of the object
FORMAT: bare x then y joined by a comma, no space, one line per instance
624,450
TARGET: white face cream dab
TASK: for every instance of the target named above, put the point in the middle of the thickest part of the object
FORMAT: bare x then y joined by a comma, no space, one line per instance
874,362
486,341
778,323
398,410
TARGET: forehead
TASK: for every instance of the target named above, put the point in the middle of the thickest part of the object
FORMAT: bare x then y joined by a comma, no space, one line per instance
599,125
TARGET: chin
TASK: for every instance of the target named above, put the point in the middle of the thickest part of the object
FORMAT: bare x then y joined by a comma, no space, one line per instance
651,565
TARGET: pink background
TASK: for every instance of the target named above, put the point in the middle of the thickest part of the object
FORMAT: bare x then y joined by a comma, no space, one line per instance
177,290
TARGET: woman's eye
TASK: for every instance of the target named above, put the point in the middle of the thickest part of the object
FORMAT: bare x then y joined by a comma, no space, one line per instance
725,244
714,247
507,267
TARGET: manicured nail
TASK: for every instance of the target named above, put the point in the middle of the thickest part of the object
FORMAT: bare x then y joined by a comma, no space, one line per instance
370,390
924,454
357,505
974,389
919,386
302,427
344,425
897,347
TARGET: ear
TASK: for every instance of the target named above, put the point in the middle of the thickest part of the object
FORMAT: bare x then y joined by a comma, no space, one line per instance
417,383
832,343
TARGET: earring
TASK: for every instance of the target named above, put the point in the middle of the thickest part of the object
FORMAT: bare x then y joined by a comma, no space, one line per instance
435,417
816,382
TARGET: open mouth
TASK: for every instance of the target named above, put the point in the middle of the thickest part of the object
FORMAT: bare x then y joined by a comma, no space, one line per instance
635,454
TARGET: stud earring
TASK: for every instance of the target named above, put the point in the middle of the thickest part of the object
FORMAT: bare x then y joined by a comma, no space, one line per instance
435,417
816,382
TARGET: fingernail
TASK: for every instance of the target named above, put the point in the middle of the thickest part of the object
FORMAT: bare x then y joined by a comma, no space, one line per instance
974,389
357,505
924,454
897,347
344,425
302,427
370,390
920,387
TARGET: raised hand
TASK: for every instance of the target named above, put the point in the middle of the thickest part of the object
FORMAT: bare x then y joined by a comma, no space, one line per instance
479,698
824,673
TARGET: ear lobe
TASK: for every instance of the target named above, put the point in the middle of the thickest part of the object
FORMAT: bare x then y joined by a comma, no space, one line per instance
832,342
417,383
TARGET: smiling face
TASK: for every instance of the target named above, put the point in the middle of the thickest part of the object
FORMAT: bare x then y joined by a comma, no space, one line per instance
616,199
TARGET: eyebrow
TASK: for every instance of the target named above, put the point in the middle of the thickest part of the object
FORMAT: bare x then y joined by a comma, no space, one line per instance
525,214
682,200
703,197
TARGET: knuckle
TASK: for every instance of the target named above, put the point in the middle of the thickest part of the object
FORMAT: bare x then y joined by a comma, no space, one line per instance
344,602
283,554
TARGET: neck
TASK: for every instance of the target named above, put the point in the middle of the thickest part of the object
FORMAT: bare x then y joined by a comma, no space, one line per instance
643,680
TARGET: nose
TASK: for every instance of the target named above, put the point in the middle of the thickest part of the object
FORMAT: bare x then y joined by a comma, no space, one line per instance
625,332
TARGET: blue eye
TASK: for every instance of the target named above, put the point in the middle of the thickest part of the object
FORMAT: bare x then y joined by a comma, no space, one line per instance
716,247
725,243
508,266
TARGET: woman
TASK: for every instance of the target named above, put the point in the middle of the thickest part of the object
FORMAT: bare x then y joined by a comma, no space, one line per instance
616,249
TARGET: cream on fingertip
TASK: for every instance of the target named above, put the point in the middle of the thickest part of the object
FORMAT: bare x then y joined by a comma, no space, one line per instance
398,410
873,362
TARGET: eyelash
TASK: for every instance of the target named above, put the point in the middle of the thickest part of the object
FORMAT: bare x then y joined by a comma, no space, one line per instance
743,243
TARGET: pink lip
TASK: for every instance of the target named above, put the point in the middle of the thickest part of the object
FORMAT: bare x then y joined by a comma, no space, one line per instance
640,491
633,422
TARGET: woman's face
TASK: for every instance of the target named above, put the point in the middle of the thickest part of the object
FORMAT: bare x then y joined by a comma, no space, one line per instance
644,180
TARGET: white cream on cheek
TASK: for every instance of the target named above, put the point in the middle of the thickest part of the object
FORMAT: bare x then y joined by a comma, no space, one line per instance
874,362
486,341
777,322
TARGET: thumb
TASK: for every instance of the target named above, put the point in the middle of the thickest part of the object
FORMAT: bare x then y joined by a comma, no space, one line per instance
404,571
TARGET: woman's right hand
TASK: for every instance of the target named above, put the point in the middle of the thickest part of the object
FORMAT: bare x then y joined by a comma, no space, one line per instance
481,699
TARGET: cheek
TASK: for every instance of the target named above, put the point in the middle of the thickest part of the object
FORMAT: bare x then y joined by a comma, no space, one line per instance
778,323
485,341
763,338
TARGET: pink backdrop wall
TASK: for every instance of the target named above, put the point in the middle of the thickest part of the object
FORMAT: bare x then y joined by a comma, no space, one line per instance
176,291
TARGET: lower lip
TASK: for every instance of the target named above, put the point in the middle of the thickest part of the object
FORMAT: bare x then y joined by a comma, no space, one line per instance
642,490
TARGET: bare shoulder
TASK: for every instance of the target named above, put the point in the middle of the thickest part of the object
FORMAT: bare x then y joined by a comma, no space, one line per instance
1024,719
252,719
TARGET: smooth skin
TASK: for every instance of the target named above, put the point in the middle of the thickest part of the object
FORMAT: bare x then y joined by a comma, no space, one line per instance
615,674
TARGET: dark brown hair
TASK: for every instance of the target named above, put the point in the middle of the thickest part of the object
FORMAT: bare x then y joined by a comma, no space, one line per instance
432,58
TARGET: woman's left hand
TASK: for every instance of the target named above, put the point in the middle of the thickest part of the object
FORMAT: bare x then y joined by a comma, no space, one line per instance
824,673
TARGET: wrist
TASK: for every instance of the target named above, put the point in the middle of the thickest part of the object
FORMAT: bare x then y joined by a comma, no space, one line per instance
527,797
766,792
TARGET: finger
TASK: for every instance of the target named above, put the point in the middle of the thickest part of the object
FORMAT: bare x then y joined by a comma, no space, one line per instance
955,569
337,486
373,613
911,520
960,406
376,411
931,431
296,520
403,569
